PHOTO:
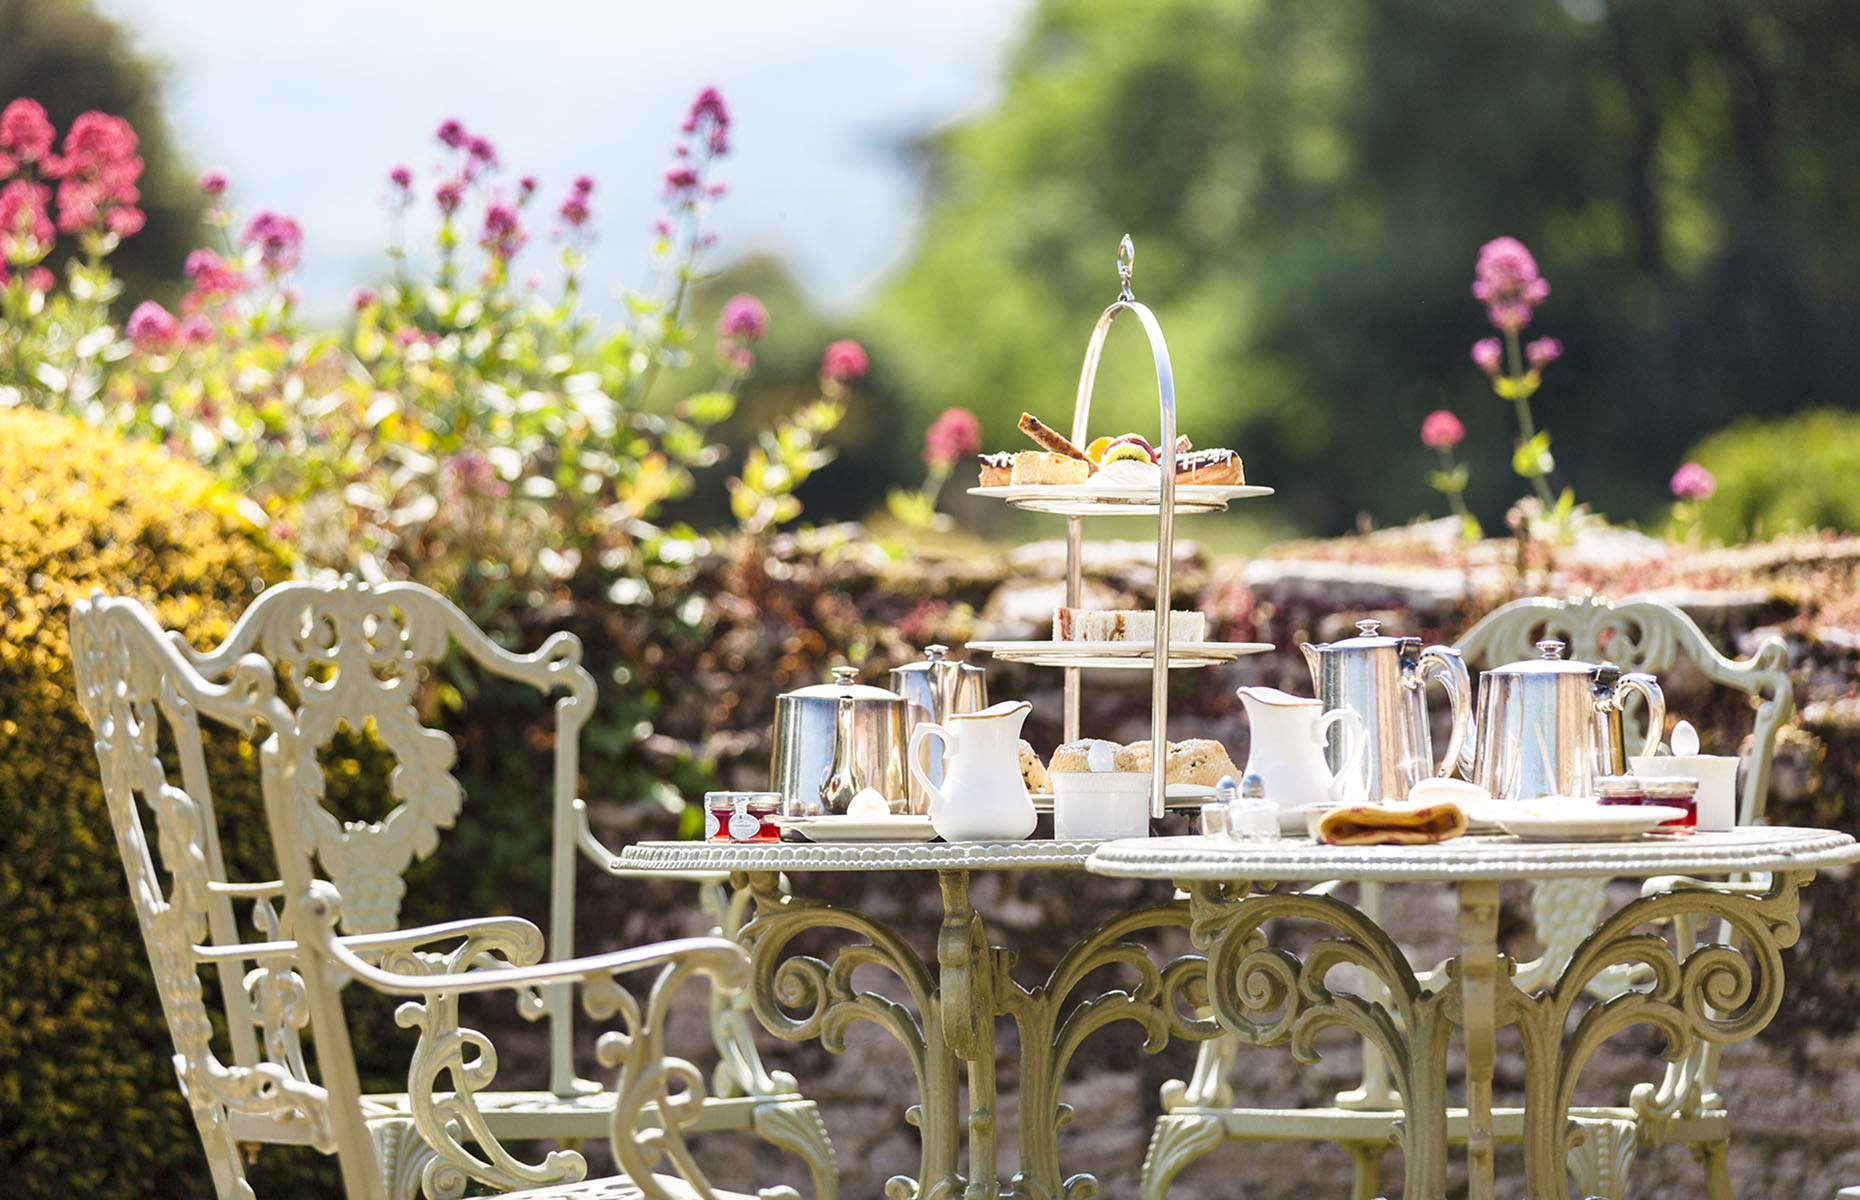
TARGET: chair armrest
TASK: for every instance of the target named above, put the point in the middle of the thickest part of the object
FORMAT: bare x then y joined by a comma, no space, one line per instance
514,939
1656,884
609,861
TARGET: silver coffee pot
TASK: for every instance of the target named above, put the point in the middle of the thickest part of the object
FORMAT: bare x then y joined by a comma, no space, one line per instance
1384,679
834,739
1549,726
935,690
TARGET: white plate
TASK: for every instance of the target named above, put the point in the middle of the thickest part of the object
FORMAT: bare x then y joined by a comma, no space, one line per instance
863,829
1175,795
1118,654
1087,499
1579,823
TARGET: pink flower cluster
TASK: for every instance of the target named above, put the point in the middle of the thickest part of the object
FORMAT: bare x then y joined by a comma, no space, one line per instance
1693,482
743,316
1489,354
707,138
843,362
279,241
96,178
502,235
574,210
953,436
1442,430
1506,281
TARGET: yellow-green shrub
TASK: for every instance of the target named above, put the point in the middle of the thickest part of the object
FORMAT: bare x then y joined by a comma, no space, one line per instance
88,1102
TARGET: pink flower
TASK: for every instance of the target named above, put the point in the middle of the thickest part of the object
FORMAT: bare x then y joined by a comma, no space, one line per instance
213,182
150,326
196,330
451,133
955,434
743,316
709,108
213,275
1442,430
449,196
584,184
126,222
361,298
470,474
40,280
1505,280
843,362
26,231
679,180
502,236
482,150
1693,482
574,209
526,187
1542,352
278,238
25,131
98,171
401,177
1487,353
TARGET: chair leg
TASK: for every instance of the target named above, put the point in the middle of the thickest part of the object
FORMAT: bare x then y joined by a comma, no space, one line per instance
795,1126
1713,1156
1179,1138
402,1155
1599,1163
1367,1158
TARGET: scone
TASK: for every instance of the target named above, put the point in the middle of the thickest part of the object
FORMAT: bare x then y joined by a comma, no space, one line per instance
1039,467
1033,771
1075,757
1197,762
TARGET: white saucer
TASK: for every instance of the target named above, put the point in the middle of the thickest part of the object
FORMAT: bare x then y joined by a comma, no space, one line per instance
1579,822
863,829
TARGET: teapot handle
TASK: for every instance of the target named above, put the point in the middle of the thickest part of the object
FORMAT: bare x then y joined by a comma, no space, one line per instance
1649,689
925,729
1444,663
1350,769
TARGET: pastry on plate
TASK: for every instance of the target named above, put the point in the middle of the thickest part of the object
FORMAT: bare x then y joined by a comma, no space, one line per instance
1090,754
1124,625
1039,466
996,468
1221,468
1032,770
1197,762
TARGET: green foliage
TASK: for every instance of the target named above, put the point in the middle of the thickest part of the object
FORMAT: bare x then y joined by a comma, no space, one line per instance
1780,476
1307,186
88,1104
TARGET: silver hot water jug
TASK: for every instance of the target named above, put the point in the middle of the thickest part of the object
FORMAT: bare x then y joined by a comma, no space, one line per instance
1384,679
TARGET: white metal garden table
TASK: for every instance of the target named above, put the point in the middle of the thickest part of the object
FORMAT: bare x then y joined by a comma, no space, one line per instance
1267,996
957,998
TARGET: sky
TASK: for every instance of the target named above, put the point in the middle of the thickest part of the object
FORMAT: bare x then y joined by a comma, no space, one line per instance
308,106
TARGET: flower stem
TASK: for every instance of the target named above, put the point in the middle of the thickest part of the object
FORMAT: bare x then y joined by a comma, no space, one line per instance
1527,429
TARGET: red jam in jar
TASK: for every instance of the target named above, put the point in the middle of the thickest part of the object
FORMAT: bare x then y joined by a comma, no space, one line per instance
1673,791
1619,789
741,816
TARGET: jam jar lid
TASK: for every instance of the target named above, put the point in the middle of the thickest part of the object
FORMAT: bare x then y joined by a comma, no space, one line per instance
755,802
1619,787
1669,787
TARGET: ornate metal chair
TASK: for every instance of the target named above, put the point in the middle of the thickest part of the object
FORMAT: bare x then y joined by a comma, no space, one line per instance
145,705
352,655
1638,634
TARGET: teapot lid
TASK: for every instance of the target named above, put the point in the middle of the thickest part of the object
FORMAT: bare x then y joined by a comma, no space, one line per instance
843,686
1367,637
1550,662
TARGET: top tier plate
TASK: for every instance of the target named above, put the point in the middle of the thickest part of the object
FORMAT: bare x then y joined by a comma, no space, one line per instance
1107,499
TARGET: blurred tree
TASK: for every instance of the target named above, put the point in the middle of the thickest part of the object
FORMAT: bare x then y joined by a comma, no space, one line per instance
1308,186
69,58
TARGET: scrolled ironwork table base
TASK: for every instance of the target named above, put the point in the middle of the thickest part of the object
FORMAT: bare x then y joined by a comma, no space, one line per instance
949,1030
1710,993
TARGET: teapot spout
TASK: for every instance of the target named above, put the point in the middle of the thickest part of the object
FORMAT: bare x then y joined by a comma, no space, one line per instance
1311,657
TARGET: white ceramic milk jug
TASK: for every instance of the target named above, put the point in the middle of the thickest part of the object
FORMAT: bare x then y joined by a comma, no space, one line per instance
1285,758
981,797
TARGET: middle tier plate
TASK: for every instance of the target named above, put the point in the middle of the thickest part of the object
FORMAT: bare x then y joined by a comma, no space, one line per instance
1107,499
1127,655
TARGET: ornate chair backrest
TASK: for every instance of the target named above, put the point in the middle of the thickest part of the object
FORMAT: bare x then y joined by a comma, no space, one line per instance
145,704
1647,635
351,655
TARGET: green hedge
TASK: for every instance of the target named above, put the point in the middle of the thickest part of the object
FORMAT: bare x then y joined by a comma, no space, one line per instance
88,1102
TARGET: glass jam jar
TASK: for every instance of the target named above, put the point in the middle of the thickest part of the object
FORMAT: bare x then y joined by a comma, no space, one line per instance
1619,789
1673,791
741,816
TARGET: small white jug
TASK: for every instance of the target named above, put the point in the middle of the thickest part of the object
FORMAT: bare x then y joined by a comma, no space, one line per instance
1285,758
982,797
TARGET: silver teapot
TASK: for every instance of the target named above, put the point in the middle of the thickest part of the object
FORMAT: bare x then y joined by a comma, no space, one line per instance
1384,679
1549,726
934,691
835,739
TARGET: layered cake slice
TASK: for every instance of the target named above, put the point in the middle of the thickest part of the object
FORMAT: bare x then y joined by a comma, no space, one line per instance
1124,625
